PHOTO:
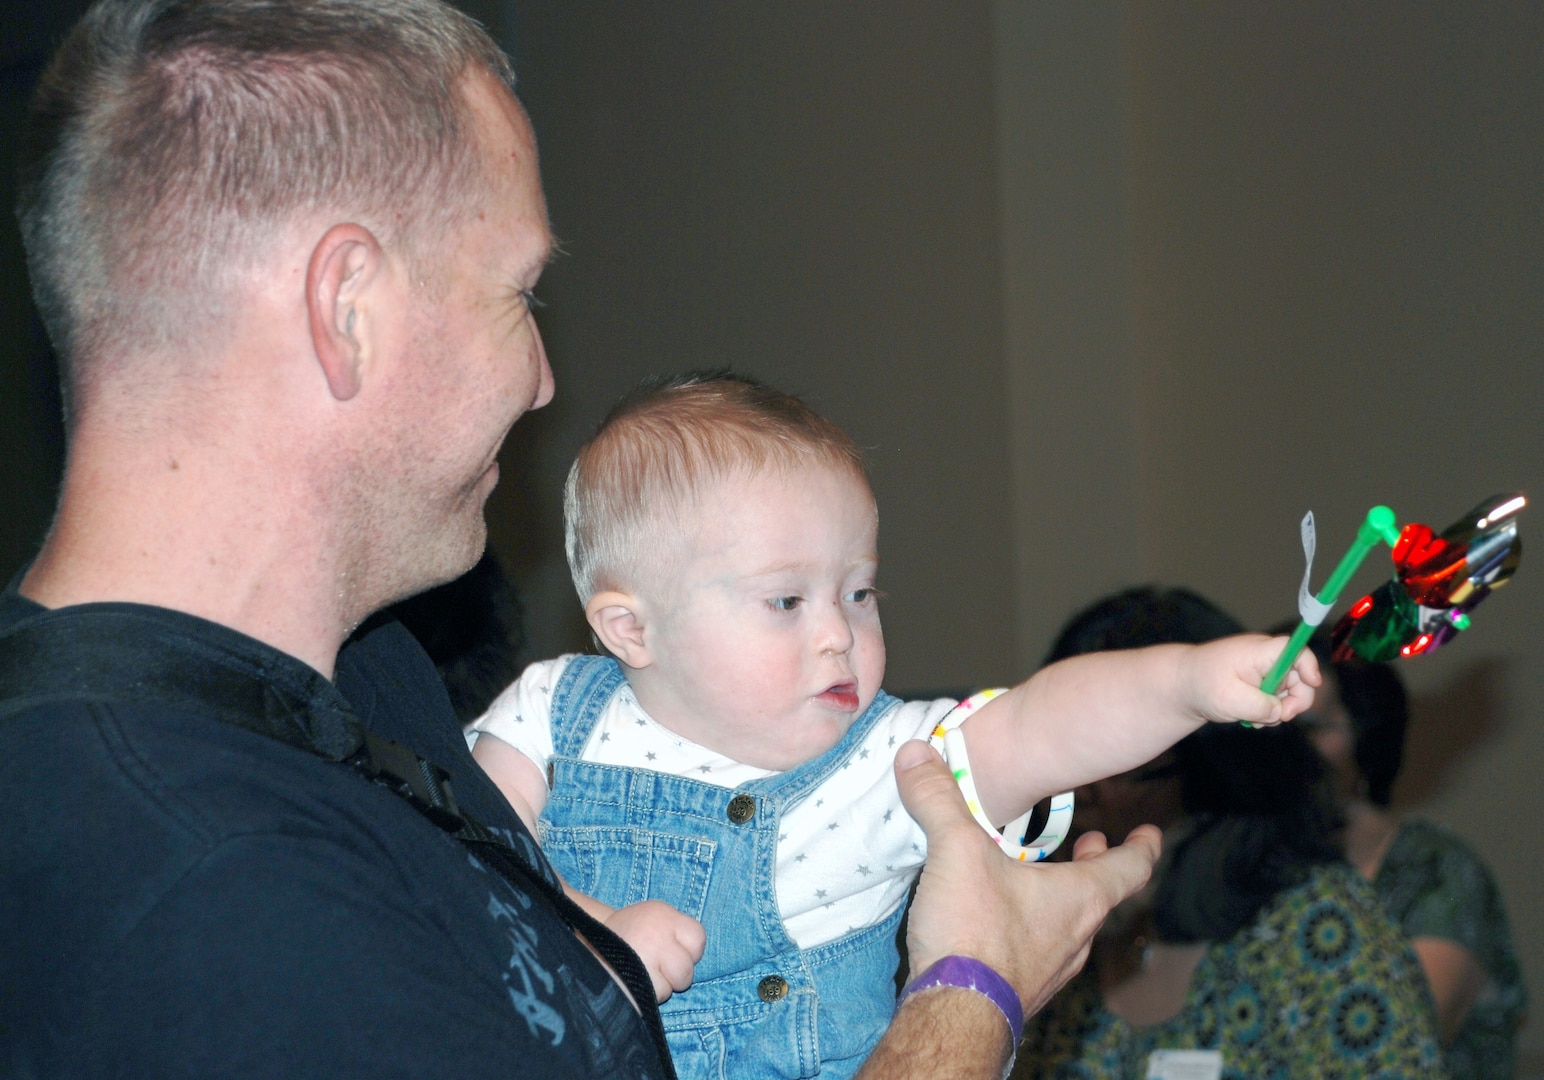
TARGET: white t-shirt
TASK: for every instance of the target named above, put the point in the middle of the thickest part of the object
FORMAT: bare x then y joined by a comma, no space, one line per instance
846,854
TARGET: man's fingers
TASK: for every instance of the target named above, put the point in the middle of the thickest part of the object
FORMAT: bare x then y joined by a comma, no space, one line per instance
1123,870
928,790
1089,844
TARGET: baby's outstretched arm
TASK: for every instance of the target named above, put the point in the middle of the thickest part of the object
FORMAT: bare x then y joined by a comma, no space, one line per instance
668,942
1092,716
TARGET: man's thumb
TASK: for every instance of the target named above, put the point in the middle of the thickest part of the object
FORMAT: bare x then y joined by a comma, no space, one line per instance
927,786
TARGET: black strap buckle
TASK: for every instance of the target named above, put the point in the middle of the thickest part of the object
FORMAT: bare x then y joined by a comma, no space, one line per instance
416,779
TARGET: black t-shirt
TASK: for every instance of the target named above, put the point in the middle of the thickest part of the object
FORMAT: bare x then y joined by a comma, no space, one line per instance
181,897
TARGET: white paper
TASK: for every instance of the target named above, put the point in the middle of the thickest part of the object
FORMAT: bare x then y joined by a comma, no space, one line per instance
1184,1065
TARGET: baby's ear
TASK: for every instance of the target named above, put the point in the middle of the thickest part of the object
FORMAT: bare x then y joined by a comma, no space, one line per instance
616,619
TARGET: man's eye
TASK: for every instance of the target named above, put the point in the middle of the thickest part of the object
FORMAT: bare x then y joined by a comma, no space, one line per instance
532,301
785,603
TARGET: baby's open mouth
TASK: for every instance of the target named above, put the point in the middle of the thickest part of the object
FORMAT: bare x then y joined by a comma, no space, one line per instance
842,695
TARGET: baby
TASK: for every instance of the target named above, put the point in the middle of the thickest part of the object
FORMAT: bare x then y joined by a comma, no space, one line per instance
729,762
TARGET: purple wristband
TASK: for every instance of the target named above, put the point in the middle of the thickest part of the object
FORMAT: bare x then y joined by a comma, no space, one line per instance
968,973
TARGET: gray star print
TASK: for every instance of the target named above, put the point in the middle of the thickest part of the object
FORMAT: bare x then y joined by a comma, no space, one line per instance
888,813
605,736
820,894
833,826
705,768
863,753
651,755
800,857
864,871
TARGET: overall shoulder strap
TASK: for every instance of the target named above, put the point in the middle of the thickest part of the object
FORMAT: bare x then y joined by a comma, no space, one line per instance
56,657
799,781
581,693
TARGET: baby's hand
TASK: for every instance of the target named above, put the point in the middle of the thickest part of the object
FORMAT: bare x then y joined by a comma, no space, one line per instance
668,942
1221,680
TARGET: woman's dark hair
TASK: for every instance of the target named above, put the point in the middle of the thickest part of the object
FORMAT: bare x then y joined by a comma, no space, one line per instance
1136,618
1260,810
1261,818
1374,696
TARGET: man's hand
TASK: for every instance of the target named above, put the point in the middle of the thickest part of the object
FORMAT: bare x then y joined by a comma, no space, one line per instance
668,942
1033,923
1220,680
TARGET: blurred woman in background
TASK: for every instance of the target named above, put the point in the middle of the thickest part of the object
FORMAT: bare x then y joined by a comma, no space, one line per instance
1430,882
1256,947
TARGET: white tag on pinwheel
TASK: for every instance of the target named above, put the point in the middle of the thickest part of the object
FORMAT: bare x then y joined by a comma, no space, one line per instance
1308,605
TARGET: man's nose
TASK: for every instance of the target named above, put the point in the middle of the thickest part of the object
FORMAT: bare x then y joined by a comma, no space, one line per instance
545,385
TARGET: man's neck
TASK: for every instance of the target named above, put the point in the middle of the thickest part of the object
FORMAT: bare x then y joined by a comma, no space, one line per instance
193,537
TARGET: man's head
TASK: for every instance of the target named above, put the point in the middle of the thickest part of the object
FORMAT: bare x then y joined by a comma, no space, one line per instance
723,537
286,249
443,361
175,141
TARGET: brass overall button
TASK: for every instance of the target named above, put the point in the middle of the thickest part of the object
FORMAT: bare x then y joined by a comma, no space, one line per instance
741,809
772,988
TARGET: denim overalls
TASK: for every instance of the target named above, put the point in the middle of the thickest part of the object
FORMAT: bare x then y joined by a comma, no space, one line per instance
759,1006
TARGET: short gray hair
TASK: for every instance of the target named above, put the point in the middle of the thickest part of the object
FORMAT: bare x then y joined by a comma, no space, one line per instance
171,139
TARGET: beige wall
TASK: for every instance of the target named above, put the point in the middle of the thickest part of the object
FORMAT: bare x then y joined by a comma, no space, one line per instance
1336,227
807,192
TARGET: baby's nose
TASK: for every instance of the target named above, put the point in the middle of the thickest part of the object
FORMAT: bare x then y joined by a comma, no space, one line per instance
835,635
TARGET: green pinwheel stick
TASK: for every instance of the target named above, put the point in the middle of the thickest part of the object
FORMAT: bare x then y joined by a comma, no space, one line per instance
1378,525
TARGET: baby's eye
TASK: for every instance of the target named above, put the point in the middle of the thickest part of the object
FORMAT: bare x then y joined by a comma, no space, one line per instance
532,301
860,596
785,603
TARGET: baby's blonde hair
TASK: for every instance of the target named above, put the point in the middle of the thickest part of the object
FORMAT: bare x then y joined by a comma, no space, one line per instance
655,451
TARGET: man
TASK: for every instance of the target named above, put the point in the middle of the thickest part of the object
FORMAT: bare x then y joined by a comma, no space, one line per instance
285,250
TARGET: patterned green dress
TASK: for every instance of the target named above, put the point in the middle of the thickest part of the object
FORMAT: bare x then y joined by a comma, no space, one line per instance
1321,984
1434,886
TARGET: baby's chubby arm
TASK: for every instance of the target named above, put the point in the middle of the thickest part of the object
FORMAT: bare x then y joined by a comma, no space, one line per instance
1093,716
516,776
668,942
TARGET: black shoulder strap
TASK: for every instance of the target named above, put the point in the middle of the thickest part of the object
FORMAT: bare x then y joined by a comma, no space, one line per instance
56,657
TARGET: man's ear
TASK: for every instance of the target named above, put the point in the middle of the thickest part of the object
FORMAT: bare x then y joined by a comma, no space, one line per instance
344,264
617,621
